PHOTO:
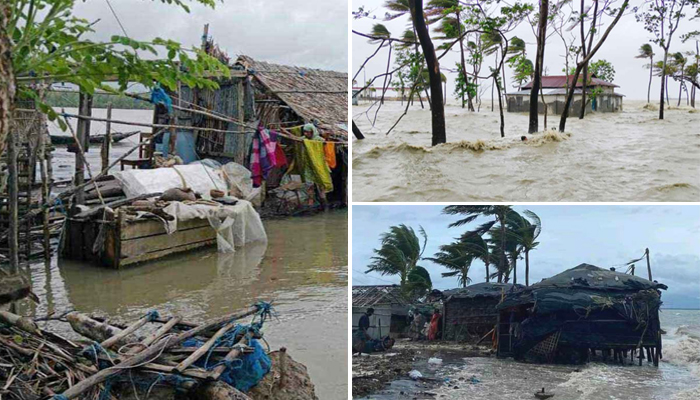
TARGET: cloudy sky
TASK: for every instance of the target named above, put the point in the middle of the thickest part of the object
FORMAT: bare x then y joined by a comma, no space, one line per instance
620,49
604,236
312,33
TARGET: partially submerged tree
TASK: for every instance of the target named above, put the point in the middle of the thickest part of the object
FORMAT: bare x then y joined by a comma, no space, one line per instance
579,66
646,51
662,18
533,125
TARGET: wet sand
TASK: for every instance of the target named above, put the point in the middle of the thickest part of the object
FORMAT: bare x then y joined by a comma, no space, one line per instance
627,156
302,270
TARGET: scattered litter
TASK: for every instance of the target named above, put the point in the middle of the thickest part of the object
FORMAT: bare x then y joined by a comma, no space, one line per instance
434,360
474,380
415,374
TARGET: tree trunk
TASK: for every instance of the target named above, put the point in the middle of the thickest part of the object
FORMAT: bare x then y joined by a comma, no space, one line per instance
663,85
527,267
541,38
680,92
7,77
500,105
464,66
651,68
356,131
582,113
437,108
579,66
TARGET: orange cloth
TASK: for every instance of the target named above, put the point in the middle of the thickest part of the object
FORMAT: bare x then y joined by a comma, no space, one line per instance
433,330
329,150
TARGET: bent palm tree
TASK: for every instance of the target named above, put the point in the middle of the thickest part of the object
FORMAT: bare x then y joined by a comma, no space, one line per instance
646,51
399,252
457,259
528,239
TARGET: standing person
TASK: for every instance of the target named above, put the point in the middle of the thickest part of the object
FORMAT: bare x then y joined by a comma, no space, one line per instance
362,333
434,325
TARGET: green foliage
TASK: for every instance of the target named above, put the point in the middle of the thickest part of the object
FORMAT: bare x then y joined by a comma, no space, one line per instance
523,69
463,87
603,69
49,42
418,283
399,252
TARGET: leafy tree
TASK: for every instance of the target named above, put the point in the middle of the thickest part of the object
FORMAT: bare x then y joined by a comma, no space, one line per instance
523,69
529,232
603,69
679,61
49,43
418,283
399,253
662,20
646,51
456,258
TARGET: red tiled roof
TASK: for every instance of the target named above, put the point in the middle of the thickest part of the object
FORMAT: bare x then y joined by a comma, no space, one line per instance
559,81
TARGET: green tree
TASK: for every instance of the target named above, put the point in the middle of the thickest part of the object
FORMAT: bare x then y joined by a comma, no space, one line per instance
603,69
679,61
418,283
529,232
457,259
399,252
49,43
646,51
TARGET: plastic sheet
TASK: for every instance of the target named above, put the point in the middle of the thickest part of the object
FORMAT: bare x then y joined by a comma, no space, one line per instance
239,181
200,178
235,226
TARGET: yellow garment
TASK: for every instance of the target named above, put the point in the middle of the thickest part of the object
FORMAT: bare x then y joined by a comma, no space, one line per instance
330,154
315,168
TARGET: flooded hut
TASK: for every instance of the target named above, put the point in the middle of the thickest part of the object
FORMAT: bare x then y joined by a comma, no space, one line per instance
470,313
390,309
581,313
238,151
600,96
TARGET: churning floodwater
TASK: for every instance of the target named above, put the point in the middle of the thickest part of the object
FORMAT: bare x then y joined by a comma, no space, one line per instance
303,270
676,378
626,156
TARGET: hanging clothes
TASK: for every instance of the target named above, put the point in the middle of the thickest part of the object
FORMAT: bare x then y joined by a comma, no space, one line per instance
310,162
263,157
329,150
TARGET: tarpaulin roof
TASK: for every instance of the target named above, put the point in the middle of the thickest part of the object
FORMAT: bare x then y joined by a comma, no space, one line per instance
584,286
560,81
484,289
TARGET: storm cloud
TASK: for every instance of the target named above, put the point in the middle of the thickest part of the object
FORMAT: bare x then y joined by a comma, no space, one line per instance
311,33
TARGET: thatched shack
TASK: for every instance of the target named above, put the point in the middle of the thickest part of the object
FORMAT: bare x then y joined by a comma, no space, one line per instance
390,309
470,312
581,313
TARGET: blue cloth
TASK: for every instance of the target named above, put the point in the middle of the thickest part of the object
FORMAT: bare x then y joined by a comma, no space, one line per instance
158,96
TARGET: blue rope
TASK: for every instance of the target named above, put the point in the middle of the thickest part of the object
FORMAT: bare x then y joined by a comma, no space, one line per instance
152,315
59,397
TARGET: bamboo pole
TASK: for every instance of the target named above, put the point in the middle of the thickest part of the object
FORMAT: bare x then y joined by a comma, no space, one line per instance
107,142
232,355
646,253
12,202
149,354
204,348
111,341
82,140
161,331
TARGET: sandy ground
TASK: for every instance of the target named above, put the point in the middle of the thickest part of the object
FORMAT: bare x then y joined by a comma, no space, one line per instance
626,156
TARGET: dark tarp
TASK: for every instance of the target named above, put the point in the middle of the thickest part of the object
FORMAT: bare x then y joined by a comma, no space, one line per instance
484,289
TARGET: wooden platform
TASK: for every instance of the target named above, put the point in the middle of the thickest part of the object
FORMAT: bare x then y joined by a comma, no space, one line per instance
129,242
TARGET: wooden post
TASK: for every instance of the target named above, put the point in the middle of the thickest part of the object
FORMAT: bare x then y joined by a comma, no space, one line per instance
646,253
283,367
83,134
12,191
240,115
104,152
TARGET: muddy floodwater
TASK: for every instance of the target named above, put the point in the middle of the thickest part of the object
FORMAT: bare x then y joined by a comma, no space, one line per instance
302,270
676,378
626,156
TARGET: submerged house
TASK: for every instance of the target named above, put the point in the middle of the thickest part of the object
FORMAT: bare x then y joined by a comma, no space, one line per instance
470,313
581,313
554,91
242,141
390,309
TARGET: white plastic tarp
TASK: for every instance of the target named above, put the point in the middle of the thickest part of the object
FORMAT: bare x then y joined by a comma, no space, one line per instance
235,225
198,177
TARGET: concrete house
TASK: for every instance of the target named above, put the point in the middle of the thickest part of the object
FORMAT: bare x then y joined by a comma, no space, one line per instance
554,89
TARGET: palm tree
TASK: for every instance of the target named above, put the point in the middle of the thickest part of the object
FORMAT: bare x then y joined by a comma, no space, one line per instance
530,231
418,283
456,258
379,31
399,253
646,51
472,212
679,62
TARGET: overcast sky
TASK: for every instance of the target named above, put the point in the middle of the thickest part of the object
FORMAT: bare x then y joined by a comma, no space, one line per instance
620,49
312,33
604,236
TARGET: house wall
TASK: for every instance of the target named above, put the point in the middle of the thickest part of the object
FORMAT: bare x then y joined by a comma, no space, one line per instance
387,320
467,318
555,103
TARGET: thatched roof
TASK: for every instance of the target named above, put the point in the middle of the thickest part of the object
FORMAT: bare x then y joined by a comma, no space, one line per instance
369,296
311,93
483,289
